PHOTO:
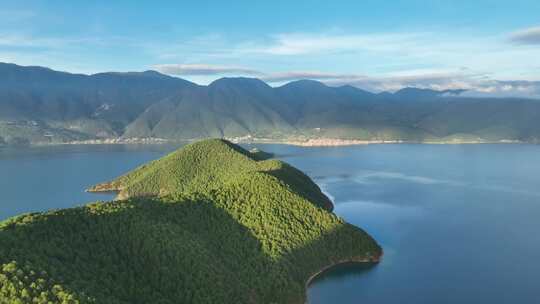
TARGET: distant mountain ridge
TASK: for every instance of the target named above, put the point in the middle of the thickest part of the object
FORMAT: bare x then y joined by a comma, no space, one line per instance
40,105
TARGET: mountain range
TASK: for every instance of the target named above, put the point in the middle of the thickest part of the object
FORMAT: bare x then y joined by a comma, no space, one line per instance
40,105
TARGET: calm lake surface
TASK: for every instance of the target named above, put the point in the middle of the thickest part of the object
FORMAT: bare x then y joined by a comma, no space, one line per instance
458,223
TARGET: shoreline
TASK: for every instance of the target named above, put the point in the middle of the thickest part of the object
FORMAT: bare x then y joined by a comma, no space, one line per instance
363,260
314,142
342,262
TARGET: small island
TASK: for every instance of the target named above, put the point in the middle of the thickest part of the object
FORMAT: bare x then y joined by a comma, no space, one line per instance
208,223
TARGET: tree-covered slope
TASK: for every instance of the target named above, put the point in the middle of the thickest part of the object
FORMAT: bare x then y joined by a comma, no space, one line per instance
208,165
224,227
39,105
229,107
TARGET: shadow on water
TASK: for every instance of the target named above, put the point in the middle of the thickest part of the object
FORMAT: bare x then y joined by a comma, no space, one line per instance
343,272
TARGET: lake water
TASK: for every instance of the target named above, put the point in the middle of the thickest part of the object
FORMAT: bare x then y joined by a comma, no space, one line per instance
458,223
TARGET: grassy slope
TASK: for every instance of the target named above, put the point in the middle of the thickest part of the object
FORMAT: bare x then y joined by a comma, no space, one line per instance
226,229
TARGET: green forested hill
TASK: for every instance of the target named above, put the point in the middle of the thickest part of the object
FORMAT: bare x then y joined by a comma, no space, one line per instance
209,223
39,105
230,107
208,165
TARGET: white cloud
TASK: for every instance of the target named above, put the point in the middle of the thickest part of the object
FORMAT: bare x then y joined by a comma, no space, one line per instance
328,46
428,78
23,41
476,84
9,41
203,69
321,43
506,88
296,75
526,36
383,61
382,54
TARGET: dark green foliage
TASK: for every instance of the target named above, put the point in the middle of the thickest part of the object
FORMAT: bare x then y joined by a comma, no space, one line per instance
208,165
225,229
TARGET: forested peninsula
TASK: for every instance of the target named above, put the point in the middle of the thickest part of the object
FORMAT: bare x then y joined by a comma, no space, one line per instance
208,223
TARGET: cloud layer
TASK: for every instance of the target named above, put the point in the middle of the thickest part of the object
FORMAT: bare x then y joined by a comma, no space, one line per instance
501,88
203,69
495,63
476,84
384,61
526,36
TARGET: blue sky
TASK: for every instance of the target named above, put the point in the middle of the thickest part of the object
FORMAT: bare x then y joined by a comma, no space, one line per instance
488,47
